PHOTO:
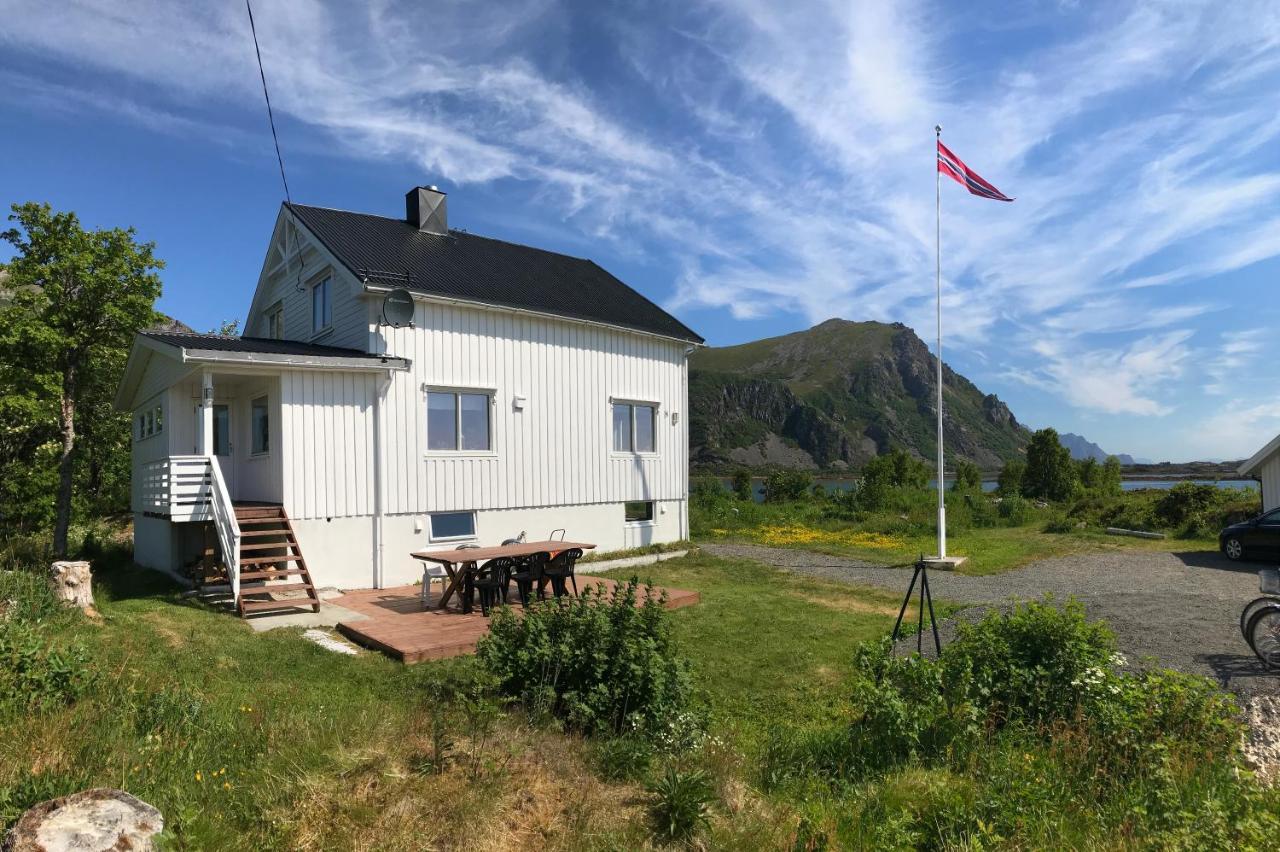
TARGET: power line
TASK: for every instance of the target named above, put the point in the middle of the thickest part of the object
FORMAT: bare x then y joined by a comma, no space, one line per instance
275,137
270,115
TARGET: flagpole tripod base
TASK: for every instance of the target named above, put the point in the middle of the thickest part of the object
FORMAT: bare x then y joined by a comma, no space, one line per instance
920,582
945,563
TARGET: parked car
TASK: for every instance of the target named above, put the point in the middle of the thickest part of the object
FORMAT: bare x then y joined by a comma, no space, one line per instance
1257,538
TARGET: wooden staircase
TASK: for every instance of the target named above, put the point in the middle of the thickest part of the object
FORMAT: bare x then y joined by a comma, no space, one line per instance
269,553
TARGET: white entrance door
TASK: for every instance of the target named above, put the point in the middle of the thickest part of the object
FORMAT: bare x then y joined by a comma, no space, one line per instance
222,445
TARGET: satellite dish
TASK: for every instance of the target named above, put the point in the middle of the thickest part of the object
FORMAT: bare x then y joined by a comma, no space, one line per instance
397,308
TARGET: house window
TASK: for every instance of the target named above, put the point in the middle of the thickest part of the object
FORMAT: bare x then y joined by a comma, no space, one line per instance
638,512
634,427
321,305
452,525
151,422
221,430
275,323
260,424
458,421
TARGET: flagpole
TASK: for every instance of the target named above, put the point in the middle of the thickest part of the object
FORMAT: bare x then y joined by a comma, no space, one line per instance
942,486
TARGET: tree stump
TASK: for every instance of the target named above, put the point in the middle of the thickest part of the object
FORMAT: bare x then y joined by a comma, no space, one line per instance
99,819
73,583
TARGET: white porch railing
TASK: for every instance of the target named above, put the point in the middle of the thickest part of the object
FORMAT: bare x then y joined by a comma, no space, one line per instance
191,488
224,520
176,487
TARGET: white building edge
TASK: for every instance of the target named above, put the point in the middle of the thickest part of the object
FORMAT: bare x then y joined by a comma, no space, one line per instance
531,392
1265,466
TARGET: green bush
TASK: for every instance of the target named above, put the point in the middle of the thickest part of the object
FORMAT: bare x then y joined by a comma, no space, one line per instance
784,485
1185,502
1014,510
742,485
600,662
36,675
622,758
680,803
707,490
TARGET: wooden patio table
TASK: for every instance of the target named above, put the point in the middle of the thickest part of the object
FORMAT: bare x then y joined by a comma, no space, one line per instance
451,559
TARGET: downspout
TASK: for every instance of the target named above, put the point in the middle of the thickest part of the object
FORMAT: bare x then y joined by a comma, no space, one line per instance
383,383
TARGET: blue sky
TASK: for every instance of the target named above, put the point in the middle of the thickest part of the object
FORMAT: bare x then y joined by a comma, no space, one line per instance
756,167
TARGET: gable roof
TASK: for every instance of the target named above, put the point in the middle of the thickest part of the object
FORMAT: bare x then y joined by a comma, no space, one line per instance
484,270
1260,457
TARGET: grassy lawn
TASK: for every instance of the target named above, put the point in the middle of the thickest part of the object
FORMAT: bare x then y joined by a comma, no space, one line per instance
989,551
256,741
265,741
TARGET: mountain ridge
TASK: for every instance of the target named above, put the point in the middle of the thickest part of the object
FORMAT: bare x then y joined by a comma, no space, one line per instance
834,396
1082,448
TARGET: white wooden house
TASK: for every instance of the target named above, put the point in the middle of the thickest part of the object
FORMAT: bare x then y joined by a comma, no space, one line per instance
531,391
1265,466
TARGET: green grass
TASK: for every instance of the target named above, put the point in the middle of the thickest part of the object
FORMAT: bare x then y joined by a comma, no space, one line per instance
768,645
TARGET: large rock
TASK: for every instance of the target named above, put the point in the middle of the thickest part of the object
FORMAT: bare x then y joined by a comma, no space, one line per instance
93,821
72,582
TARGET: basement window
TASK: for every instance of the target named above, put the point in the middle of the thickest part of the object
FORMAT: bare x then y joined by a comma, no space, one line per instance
638,512
451,526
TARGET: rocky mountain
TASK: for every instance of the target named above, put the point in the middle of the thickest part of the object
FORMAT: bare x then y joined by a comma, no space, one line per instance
1081,448
835,396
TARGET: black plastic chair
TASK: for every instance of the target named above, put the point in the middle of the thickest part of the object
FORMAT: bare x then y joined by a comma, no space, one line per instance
560,569
487,580
527,574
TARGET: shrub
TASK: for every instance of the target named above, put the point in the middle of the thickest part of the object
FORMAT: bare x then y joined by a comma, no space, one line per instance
968,478
1010,480
784,485
34,674
598,662
707,490
1184,502
680,803
622,758
1014,510
742,485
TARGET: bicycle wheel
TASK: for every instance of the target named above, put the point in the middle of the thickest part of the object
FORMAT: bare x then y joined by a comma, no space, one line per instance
1264,635
1253,606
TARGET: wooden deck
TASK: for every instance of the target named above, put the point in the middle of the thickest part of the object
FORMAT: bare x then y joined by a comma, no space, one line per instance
400,627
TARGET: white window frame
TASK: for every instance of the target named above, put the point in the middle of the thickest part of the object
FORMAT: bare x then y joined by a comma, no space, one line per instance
457,392
642,522
275,321
253,431
431,527
633,404
150,422
325,281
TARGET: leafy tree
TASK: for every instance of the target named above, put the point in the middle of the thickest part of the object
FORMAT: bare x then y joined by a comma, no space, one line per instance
1109,480
74,300
1009,483
227,328
784,485
742,485
1089,471
968,478
1050,473
894,470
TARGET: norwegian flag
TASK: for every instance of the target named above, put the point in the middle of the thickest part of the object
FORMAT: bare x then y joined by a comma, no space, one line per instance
953,167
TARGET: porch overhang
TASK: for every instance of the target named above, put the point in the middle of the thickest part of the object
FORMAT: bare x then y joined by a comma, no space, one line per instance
319,362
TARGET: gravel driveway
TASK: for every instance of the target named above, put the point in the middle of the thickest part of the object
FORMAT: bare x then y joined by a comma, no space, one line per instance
1179,610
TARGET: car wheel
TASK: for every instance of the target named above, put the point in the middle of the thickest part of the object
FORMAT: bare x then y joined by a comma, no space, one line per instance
1233,548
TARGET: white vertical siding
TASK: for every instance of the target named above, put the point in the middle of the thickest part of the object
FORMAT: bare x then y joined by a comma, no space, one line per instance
1270,476
558,449
326,440
286,287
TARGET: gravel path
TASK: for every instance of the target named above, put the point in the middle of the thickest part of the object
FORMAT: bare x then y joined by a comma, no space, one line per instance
1180,610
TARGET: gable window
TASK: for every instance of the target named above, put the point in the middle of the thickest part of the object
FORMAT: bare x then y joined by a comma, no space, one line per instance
458,421
275,323
260,424
638,512
634,427
447,526
321,305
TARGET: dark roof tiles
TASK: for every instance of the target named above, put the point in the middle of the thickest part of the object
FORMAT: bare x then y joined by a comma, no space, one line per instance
479,269
255,345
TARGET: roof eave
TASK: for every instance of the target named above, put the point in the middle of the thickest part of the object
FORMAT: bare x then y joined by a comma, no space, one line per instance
1258,458
494,306
319,362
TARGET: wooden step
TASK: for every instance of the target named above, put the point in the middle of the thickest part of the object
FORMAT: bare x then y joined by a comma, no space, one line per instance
247,576
272,589
291,603
285,531
267,560
258,522
264,545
